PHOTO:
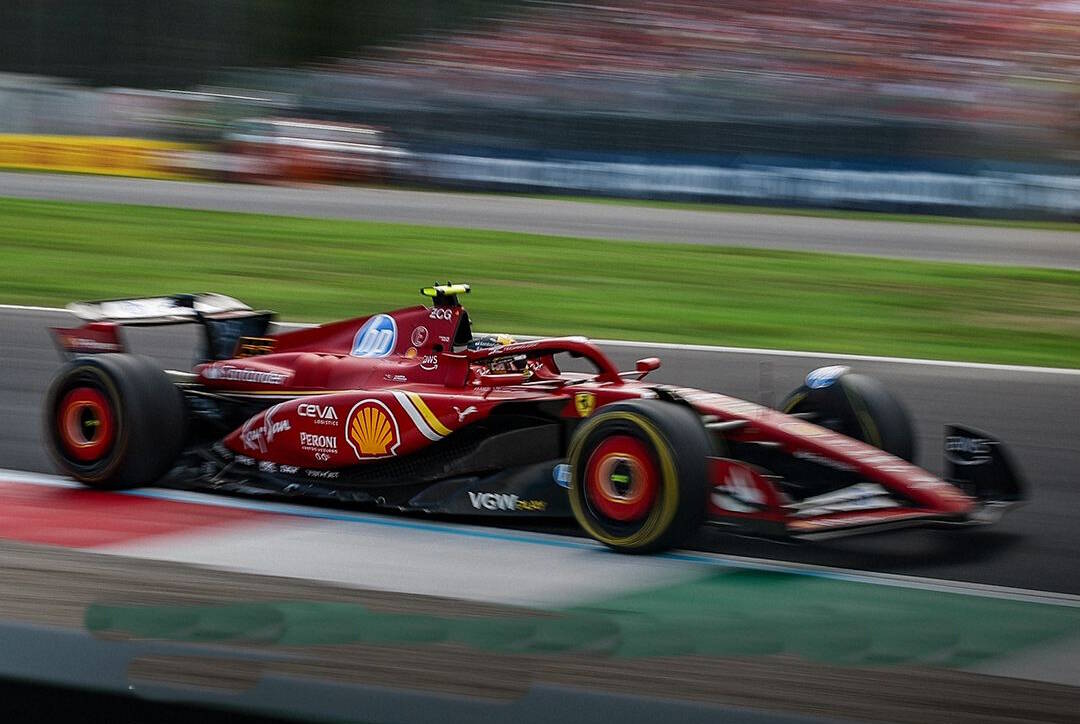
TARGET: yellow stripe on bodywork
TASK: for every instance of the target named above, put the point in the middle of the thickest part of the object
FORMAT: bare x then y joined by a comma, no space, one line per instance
429,416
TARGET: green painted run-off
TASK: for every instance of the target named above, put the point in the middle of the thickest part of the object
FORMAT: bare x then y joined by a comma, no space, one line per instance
731,613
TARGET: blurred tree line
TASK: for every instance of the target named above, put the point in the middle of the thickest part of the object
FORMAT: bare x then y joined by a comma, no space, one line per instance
159,43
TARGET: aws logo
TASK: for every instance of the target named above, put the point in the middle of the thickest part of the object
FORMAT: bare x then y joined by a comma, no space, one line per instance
371,431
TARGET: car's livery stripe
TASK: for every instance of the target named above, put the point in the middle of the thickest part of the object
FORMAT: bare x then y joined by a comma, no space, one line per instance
416,416
428,414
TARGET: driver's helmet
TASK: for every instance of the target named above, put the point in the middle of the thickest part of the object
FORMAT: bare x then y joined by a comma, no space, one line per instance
489,341
499,364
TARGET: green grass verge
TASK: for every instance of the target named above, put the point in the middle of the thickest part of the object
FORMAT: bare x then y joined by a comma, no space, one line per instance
307,269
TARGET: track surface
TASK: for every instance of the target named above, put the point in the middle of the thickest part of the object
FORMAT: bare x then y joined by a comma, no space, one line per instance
951,242
1034,412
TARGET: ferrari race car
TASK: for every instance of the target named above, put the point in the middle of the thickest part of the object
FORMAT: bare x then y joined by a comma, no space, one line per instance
409,411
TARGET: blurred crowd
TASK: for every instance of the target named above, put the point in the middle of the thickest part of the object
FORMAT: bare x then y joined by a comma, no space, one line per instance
1010,62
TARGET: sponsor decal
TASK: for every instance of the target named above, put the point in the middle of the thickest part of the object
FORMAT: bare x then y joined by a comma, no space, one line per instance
729,404
813,457
289,469
322,415
259,438
411,352
323,446
505,501
584,403
516,347
322,474
430,362
265,466
86,344
825,376
443,313
232,373
462,414
245,460
395,378
419,336
371,431
961,450
376,338
738,493
561,473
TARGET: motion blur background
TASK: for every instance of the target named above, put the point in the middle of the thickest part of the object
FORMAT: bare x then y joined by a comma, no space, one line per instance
952,107
962,106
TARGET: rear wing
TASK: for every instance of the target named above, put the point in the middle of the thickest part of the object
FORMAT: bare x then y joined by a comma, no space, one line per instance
225,321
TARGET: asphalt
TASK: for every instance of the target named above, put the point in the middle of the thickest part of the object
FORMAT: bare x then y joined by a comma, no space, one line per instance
948,242
1035,412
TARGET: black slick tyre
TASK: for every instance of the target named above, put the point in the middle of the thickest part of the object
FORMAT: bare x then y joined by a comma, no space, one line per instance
114,421
639,475
860,407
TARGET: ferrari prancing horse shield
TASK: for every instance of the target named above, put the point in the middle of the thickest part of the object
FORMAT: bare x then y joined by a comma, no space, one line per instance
584,403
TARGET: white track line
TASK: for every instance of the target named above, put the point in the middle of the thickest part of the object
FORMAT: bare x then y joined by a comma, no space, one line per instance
713,349
492,535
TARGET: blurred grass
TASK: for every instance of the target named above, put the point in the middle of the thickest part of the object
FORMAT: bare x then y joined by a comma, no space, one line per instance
309,269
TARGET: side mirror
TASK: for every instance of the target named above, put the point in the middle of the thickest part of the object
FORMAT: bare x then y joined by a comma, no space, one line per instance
647,365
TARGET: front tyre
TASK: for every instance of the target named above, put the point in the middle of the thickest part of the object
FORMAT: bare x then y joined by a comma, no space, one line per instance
639,475
114,421
857,406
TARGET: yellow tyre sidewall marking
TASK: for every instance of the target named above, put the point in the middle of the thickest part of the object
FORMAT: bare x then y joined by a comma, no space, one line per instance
661,516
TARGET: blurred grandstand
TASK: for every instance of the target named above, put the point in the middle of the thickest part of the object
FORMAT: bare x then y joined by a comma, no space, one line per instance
954,87
1007,70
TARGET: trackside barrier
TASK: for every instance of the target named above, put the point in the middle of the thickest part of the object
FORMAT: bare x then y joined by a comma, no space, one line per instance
92,154
1039,193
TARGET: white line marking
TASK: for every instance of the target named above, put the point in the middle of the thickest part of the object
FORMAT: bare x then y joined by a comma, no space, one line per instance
728,350
840,356
478,531
28,308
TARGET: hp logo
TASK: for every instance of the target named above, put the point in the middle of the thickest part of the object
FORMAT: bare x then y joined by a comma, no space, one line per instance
376,338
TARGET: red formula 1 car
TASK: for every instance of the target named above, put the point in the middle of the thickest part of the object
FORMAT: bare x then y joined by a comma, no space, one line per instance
410,411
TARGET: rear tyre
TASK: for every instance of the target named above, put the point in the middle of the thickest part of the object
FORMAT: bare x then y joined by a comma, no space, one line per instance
114,421
639,475
857,406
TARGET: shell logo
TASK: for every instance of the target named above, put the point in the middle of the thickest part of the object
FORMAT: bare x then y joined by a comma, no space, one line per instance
371,431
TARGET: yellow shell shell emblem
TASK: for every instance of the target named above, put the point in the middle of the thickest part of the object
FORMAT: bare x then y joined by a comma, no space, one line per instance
372,432
584,403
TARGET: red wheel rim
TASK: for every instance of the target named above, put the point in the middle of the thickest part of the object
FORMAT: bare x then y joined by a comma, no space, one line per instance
621,480
86,424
